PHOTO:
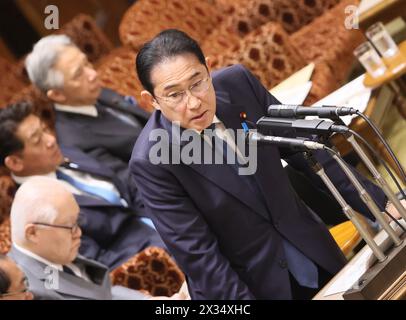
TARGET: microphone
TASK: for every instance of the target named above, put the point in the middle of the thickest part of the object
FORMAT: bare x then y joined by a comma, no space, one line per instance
301,125
294,111
295,144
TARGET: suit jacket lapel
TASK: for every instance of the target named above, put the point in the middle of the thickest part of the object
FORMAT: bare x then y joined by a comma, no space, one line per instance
67,284
231,115
36,268
88,201
97,170
115,101
75,286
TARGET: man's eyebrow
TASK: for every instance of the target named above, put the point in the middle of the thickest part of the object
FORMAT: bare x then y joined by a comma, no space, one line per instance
81,64
188,79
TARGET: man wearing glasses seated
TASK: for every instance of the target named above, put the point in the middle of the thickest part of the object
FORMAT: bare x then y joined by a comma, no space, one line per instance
112,231
46,239
13,282
96,120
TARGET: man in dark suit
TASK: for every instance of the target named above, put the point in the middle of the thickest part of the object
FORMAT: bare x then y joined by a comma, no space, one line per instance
46,237
98,121
235,236
112,229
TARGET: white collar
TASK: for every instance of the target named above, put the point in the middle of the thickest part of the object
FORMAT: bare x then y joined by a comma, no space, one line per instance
89,110
21,180
38,258
215,120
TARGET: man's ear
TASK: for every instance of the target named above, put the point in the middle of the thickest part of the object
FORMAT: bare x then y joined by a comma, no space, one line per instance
56,95
31,233
208,63
14,163
149,101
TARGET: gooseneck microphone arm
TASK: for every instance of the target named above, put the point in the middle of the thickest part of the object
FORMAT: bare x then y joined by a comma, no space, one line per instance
330,112
365,197
348,211
292,143
377,176
387,146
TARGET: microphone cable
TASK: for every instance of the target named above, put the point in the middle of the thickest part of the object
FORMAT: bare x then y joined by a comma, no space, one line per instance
330,150
381,161
382,139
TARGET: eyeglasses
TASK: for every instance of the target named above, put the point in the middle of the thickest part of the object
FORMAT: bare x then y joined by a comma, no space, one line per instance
9,294
73,229
197,89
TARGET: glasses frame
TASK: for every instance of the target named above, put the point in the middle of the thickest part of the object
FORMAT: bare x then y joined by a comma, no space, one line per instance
73,229
167,100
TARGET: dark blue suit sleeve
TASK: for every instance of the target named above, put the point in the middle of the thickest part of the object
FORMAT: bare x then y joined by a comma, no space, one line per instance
186,234
332,169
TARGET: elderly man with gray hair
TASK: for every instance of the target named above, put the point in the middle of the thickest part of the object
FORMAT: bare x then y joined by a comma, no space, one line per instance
96,120
46,238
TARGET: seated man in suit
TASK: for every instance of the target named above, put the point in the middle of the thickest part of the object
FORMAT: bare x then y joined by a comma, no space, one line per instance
113,232
46,239
238,232
13,282
96,120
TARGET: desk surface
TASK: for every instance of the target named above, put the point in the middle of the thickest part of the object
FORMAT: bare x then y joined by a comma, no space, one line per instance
375,10
363,259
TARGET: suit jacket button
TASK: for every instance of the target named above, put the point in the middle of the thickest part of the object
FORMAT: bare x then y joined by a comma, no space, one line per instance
283,264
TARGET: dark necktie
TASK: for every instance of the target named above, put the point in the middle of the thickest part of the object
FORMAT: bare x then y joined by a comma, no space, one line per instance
68,270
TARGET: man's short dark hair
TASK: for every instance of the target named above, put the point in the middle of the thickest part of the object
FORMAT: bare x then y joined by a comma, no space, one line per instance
10,118
5,281
169,43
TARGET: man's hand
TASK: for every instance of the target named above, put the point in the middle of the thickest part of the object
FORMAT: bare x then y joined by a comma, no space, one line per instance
392,210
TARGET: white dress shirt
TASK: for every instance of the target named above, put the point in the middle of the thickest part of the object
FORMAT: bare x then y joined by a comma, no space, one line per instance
75,269
90,110
223,134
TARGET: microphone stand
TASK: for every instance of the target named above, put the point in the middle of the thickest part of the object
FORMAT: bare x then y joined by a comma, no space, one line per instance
366,198
348,211
383,280
377,176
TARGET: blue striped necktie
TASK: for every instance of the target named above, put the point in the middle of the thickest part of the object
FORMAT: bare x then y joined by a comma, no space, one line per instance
106,194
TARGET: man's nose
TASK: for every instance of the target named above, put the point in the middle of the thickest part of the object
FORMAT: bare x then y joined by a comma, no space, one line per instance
192,101
50,139
78,233
91,74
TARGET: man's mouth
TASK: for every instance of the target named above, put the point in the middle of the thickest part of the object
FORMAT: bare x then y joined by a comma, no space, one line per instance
199,116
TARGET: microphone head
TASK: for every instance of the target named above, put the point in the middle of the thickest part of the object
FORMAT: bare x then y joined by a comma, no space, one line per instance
281,110
298,112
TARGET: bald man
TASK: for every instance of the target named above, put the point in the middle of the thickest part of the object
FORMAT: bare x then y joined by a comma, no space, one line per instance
46,238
